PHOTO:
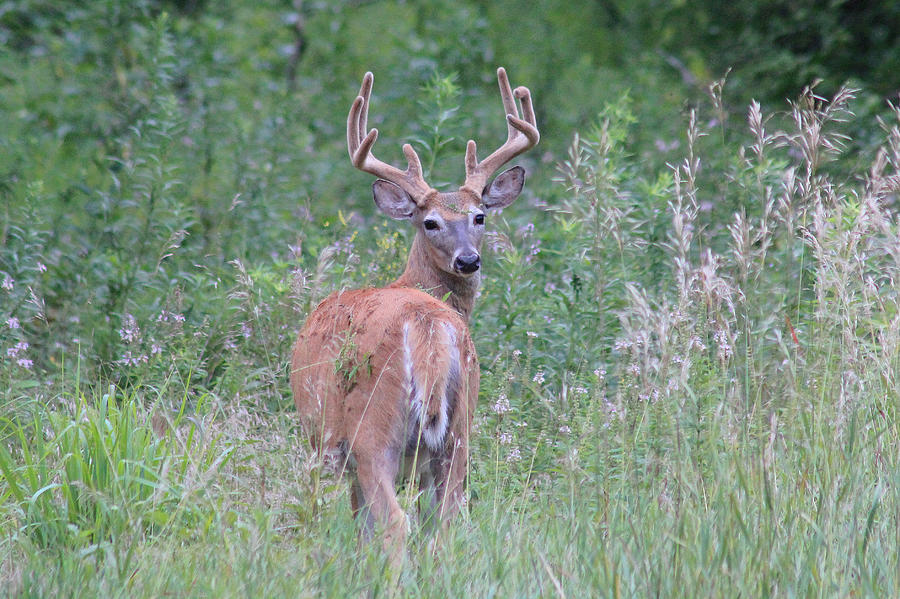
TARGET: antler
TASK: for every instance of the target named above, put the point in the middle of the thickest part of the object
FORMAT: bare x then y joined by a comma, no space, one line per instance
522,135
360,142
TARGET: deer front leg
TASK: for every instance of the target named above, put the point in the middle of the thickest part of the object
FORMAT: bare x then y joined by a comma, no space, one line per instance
357,505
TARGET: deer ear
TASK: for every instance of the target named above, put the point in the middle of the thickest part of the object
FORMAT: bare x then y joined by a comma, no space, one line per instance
504,188
392,200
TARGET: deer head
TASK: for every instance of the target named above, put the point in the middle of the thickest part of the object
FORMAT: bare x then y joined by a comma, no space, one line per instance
446,252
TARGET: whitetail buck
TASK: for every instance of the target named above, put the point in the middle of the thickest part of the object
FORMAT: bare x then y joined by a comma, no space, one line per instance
384,378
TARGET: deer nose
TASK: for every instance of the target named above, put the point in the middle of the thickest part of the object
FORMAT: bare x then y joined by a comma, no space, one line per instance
467,263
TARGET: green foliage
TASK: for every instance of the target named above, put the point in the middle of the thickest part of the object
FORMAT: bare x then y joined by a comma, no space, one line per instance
92,478
688,327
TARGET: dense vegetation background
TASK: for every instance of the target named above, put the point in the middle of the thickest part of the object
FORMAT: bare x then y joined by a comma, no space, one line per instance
689,328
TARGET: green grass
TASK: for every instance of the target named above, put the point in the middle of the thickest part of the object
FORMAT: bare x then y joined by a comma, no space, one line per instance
658,509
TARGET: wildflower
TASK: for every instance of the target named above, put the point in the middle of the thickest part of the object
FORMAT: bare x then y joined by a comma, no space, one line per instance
525,230
12,322
531,334
129,331
662,146
565,430
623,344
21,346
166,316
25,363
724,353
501,406
517,353
580,390
634,370
129,359
721,338
41,267
246,330
155,349
505,438
539,377
7,282
600,374
514,455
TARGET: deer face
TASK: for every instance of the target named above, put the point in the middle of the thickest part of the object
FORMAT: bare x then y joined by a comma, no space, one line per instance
451,224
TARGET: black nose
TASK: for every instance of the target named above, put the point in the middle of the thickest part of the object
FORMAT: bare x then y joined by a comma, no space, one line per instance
467,263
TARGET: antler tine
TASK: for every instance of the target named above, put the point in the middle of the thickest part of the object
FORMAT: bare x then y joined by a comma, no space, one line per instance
522,135
360,142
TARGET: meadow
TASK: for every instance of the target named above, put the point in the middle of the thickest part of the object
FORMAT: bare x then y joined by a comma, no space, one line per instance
689,326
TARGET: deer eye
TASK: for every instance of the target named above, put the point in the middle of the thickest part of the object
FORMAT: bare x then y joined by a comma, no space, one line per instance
431,224
479,219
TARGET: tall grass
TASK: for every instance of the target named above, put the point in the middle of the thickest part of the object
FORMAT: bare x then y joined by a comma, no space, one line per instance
95,476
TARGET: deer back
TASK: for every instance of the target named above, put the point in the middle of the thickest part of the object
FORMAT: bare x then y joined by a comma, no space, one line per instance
386,370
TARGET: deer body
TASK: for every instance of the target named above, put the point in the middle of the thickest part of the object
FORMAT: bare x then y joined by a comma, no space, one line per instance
386,380
389,378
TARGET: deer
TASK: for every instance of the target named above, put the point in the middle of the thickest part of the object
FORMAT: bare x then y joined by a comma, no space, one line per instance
385,380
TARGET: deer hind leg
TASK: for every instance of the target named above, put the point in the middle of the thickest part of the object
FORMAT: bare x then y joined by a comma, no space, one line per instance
373,495
449,475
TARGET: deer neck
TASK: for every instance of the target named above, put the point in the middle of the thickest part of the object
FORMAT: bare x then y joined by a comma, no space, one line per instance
459,292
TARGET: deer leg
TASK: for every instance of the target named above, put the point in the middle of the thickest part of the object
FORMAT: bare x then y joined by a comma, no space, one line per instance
375,480
357,505
428,489
450,476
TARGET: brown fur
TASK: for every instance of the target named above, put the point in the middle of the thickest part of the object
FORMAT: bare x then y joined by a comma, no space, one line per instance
351,389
